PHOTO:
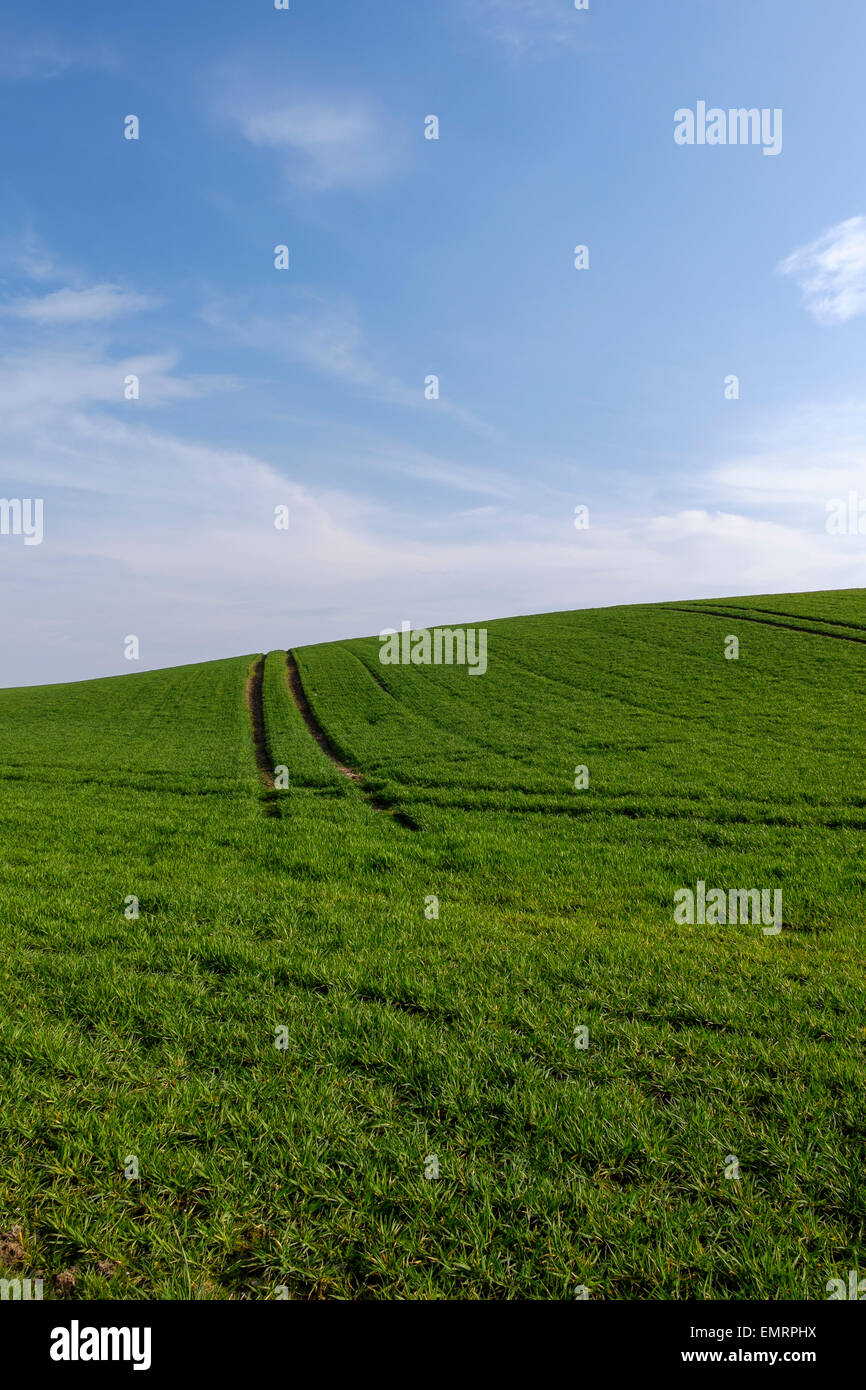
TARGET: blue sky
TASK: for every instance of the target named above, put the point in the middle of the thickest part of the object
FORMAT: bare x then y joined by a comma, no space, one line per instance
410,257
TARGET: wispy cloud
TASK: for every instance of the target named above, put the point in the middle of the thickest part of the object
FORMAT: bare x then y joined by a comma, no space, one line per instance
375,454
793,467
528,27
322,335
99,303
327,336
24,57
324,142
36,385
27,256
831,272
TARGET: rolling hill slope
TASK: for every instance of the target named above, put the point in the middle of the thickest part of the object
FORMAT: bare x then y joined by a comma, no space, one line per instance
243,1025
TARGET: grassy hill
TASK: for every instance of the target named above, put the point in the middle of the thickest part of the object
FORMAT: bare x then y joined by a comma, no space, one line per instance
287,1040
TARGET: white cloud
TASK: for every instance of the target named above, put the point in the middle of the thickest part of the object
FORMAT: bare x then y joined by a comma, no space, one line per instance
98,303
831,272
324,142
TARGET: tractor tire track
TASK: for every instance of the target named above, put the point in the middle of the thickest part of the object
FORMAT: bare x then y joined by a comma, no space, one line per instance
372,674
734,617
798,617
314,728
264,762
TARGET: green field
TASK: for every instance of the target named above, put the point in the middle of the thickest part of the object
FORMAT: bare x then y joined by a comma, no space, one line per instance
410,1039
